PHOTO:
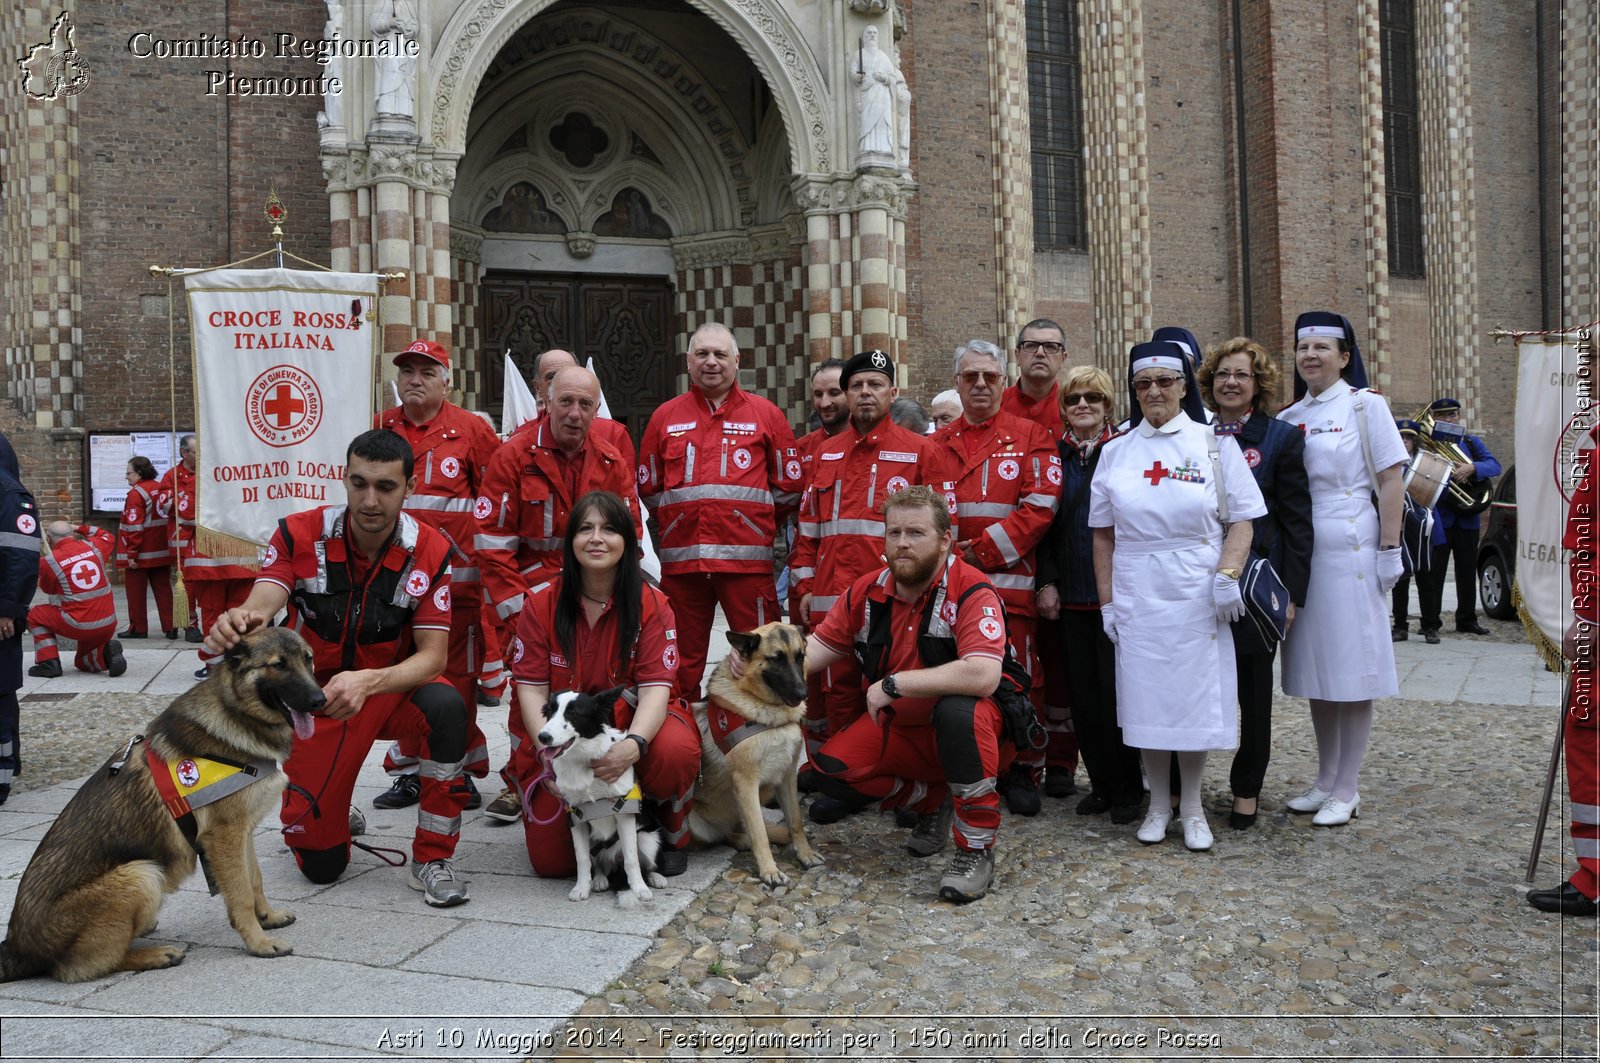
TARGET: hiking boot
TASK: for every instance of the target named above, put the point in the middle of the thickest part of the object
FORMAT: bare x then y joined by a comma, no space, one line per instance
50,669
116,664
507,808
488,701
406,791
968,876
827,809
1020,791
474,798
131,634
1058,783
173,634
672,862
358,822
438,883
192,634
931,832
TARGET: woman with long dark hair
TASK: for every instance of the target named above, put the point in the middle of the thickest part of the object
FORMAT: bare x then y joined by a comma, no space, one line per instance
597,627
144,553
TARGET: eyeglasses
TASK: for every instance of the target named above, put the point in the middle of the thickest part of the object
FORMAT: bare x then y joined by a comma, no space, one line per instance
1234,374
1093,398
1164,383
972,376
1047,346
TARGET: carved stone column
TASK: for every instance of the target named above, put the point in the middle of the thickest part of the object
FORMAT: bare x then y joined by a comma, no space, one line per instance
1011,152
855,264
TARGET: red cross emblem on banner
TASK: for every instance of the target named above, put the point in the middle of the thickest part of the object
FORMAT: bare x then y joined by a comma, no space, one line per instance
285,406
1155,473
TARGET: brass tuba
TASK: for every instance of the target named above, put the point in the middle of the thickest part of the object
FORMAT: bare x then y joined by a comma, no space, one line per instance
1467,498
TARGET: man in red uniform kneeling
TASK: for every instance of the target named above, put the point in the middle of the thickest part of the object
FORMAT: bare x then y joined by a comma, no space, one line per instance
369,588
929,633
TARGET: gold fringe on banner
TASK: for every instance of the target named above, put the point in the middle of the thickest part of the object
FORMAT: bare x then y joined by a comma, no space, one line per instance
220,546
1546,649
182,615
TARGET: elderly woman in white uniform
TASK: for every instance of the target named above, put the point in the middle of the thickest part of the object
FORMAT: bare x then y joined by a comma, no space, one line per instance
1168,579
1338,654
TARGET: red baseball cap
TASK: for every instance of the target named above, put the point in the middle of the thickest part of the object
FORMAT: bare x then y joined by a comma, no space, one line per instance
428,349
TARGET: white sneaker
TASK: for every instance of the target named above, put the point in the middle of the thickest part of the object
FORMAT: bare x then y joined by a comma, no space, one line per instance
438,883
1336,813
1154,827
358,822
1310,801
1196,833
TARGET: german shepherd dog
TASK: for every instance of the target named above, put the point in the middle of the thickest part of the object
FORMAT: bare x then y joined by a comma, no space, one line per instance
761,754
98,878
579,729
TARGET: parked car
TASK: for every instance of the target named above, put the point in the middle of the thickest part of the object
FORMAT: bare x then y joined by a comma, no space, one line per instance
1497,550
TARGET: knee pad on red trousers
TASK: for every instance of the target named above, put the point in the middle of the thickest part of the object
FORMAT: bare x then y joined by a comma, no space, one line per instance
322,866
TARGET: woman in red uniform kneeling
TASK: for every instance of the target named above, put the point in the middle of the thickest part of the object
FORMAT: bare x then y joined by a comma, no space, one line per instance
600,626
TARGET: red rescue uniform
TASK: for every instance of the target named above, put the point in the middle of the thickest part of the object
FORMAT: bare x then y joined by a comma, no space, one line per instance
73,574
1046,412
451,452
666,774
904,761
144,553
358,613
841,538
1582,728
214,584
719,482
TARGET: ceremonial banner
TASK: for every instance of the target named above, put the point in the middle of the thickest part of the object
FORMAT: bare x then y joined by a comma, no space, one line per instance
283,381
519,406
1555,412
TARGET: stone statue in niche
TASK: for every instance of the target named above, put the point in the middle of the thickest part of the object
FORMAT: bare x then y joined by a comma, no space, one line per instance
523,211
396,89
332,115
874,75
902,107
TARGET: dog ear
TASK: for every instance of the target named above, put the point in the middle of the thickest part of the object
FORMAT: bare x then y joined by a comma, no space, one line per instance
745,643
236,653
549,709
608,701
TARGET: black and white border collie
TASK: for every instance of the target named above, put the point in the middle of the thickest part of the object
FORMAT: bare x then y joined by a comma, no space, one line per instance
578,730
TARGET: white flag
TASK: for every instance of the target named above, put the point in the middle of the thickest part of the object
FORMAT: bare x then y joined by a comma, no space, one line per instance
519,407
283,364
649,561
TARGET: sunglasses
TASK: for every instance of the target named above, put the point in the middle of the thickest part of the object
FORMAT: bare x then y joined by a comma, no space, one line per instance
1093,398
972,376
1163,383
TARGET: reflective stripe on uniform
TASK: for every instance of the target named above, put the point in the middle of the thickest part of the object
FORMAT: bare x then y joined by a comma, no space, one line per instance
728,492
1003,543
440,504
998,510
705,552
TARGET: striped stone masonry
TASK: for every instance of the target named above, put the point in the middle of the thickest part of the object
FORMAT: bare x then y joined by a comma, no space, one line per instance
1577,153
1375,204
1013,166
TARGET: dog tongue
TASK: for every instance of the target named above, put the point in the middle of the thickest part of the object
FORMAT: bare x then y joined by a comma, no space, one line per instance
304,726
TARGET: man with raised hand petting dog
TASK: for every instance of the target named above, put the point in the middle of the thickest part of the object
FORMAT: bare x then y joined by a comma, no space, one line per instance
929,634
369,588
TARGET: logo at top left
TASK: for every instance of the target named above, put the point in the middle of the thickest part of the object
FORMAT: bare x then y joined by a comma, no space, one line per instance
55,68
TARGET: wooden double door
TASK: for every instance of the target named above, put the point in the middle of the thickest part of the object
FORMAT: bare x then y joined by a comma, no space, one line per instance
624,323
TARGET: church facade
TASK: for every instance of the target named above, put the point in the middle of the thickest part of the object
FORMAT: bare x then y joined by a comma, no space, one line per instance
824,176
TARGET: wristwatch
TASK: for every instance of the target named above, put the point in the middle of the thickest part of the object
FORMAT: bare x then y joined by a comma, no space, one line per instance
644,743
1231,573
890,687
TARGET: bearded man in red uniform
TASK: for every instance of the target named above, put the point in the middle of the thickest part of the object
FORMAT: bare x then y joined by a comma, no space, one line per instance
928,633
530,486
719,469
450,448
213,584
368,587
1002,478
1580,894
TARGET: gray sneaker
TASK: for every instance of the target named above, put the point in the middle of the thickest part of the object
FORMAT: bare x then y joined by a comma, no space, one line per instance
968,876
358,822
931,832
438,883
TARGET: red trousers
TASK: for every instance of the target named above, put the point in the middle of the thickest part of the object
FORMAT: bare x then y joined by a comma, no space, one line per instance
159,580
326,766
1582,741
958,754
209,599
666,775
45,622
1025,647
461,670
835,696
748,600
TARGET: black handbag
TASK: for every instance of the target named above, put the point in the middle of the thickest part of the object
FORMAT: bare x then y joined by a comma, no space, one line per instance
1266,599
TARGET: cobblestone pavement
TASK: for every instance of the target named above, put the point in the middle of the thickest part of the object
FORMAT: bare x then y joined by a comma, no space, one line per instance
1401,935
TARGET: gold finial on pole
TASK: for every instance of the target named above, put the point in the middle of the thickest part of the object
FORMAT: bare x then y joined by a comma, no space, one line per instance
276,212
1501,333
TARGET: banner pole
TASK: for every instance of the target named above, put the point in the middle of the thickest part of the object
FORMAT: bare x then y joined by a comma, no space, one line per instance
1549,783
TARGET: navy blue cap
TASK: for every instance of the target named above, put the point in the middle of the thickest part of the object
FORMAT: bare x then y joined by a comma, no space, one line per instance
1445,406
1407,426
1327,323
1183,338
1167,355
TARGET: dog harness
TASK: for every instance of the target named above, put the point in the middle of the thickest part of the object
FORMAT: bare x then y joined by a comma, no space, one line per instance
727,727
606,807
189,783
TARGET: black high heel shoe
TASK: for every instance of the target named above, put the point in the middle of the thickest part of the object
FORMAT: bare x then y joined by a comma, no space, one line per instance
1243,820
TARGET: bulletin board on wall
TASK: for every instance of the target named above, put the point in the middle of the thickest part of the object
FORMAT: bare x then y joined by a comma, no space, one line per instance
108,455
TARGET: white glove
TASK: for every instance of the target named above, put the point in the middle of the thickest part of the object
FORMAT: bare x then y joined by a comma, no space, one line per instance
1108,621
1390,569
1225,596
